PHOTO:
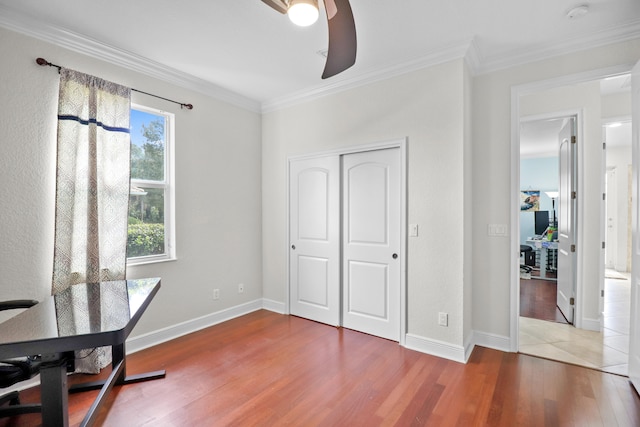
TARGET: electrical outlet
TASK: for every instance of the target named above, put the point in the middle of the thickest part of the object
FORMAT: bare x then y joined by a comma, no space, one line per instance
216,294
443,319
240,288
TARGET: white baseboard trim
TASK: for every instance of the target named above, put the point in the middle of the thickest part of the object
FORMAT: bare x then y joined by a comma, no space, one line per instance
591,324
275,306
436,348
469,345
494,341
150,339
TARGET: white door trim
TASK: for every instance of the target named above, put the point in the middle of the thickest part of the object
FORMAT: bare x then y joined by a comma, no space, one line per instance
400,143
514,261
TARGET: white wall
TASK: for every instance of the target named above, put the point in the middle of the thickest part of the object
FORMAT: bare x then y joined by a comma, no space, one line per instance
427,106
231,183
218,174
492,175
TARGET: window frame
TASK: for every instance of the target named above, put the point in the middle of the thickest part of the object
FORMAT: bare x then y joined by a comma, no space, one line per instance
168,185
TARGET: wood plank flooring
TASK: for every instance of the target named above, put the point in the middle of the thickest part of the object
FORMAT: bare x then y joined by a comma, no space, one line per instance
266,369
538,300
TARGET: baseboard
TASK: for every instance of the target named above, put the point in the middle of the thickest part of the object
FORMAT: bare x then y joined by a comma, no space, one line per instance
437,348
169,333
591,324
494,341
275,306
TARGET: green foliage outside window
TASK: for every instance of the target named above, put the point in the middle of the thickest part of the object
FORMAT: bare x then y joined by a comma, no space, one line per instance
145,239
146,231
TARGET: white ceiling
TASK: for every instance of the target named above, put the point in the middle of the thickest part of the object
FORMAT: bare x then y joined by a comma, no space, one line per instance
249,49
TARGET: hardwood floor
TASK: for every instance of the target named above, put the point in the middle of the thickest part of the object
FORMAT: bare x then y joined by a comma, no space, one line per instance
266,369
538,300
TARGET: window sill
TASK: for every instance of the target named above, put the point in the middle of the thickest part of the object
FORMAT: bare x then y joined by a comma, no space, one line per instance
137,262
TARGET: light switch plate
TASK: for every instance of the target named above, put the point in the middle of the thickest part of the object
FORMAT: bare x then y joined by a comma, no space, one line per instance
497,230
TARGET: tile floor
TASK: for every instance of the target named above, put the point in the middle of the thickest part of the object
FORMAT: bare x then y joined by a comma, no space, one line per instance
606,350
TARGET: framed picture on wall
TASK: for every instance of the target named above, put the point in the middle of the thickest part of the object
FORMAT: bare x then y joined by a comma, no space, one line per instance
529,200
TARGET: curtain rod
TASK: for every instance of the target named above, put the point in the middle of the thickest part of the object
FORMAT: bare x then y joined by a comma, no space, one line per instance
43,62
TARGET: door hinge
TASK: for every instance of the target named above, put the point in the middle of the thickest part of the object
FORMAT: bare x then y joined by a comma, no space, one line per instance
573,139
602,245
604,145
604,196
573,248
602,293
574,194
572,301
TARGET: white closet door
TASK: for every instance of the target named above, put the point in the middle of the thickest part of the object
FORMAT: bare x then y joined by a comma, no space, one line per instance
371,242
314,245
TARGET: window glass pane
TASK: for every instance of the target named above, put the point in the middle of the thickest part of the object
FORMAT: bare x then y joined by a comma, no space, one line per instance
146,222
147,145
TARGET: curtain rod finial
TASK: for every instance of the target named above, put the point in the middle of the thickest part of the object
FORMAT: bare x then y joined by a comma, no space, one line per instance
188,106
42,61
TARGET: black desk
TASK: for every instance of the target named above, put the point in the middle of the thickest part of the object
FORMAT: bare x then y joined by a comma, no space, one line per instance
83,316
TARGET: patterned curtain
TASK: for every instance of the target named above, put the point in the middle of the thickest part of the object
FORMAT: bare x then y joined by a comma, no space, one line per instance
92,190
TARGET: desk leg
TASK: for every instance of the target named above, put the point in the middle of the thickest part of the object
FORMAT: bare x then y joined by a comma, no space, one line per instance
55,399
118,360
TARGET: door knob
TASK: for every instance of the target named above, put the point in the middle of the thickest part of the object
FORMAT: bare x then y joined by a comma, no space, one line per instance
394,256
293,247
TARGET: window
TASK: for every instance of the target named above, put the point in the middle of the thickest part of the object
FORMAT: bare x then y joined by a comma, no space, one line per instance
150,231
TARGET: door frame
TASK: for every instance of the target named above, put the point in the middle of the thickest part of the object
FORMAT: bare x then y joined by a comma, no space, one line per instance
514,270
400,143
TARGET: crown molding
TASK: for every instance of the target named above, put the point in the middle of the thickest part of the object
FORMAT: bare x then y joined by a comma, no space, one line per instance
29,26
611,35
466,49
440,56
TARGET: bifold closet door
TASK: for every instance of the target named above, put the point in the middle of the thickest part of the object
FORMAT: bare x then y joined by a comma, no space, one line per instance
371,211
314,234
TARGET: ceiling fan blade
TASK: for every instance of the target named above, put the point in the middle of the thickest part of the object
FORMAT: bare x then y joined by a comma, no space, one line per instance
342,37
279,5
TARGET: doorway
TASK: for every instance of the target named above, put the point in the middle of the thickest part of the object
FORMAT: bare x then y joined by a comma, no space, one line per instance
346,239
590,267
547,221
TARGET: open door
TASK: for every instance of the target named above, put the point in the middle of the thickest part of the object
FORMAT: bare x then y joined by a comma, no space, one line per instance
566,221
634,334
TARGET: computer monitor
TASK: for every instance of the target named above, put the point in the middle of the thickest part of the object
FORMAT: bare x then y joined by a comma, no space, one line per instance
541,222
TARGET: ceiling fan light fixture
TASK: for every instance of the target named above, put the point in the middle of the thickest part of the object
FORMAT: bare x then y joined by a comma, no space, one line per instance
303,12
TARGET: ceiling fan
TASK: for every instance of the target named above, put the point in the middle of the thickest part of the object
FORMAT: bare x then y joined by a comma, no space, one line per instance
342,29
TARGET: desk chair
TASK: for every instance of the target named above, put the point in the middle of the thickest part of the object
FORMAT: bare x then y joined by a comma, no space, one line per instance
16,370
529,255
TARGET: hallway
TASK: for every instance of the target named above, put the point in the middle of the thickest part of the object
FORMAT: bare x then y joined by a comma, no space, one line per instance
606,351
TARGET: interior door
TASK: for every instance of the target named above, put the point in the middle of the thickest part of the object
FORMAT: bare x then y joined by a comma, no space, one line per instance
634,334
566,221
371,242
314,234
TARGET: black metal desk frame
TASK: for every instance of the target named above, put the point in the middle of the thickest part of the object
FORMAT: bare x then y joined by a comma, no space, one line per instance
56,352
